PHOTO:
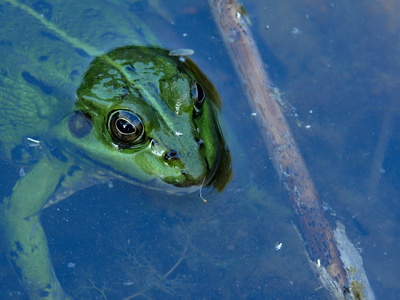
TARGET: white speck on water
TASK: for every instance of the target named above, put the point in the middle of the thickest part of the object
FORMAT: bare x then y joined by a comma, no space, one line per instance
278,246
296,30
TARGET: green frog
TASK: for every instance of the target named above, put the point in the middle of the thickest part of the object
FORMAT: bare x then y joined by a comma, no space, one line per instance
85,103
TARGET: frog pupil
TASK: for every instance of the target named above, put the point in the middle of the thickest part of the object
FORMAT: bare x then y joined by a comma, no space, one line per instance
125,127
200,92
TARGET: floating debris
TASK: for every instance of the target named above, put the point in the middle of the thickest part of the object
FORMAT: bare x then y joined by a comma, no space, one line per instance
278,246
181,52
33,142
296,31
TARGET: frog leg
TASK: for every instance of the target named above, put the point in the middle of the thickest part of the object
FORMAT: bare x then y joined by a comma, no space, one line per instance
25,240
77,179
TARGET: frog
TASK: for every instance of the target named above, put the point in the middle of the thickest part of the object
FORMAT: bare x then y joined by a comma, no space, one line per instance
82,105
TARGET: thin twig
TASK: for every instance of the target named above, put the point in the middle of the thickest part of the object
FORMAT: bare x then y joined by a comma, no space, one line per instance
306,206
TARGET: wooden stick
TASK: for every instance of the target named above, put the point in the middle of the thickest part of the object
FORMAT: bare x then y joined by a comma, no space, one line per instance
282,148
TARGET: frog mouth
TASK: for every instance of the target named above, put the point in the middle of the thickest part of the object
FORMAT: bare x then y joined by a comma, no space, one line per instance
183,184
202,181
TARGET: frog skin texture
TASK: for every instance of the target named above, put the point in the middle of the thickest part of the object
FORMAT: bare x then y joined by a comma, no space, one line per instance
136,114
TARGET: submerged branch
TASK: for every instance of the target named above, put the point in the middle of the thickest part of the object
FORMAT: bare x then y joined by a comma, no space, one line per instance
315,229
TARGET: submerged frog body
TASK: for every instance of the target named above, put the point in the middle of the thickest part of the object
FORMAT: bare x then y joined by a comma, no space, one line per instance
139,115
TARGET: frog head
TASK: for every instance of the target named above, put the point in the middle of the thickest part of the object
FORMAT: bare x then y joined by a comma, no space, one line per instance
150,118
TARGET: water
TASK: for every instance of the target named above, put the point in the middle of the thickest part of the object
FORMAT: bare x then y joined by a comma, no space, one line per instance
337,65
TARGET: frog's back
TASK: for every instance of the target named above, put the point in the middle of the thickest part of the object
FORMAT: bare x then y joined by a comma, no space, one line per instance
44,54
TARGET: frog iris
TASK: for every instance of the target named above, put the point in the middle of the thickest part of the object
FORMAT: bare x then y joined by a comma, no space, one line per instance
125,127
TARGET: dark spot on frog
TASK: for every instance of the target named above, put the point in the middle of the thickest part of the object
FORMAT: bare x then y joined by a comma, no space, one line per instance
44,293
74,74
60,182
44,8
154,87
73,169
29,78
58,154
130,69
81,52
43,58
80,124
49,35
19,246
138,6
124,92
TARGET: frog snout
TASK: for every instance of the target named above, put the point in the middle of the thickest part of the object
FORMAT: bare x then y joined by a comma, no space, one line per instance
191,167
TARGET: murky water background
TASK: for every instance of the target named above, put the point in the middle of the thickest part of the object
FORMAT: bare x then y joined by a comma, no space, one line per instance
337,67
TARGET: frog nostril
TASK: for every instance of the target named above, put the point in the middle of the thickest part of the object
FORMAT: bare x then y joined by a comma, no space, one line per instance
171,154
153,142
200,142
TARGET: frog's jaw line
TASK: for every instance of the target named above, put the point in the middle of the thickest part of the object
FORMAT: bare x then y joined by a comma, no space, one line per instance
158,184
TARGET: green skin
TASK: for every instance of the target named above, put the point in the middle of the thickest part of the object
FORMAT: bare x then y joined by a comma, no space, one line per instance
176,144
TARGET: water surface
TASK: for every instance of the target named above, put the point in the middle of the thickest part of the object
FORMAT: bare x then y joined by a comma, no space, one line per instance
336,65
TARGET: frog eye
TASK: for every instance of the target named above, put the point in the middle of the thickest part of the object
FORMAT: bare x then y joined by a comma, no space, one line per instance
125,127
198,96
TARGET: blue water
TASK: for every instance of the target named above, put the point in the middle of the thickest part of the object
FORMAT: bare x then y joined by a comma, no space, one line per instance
337,65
